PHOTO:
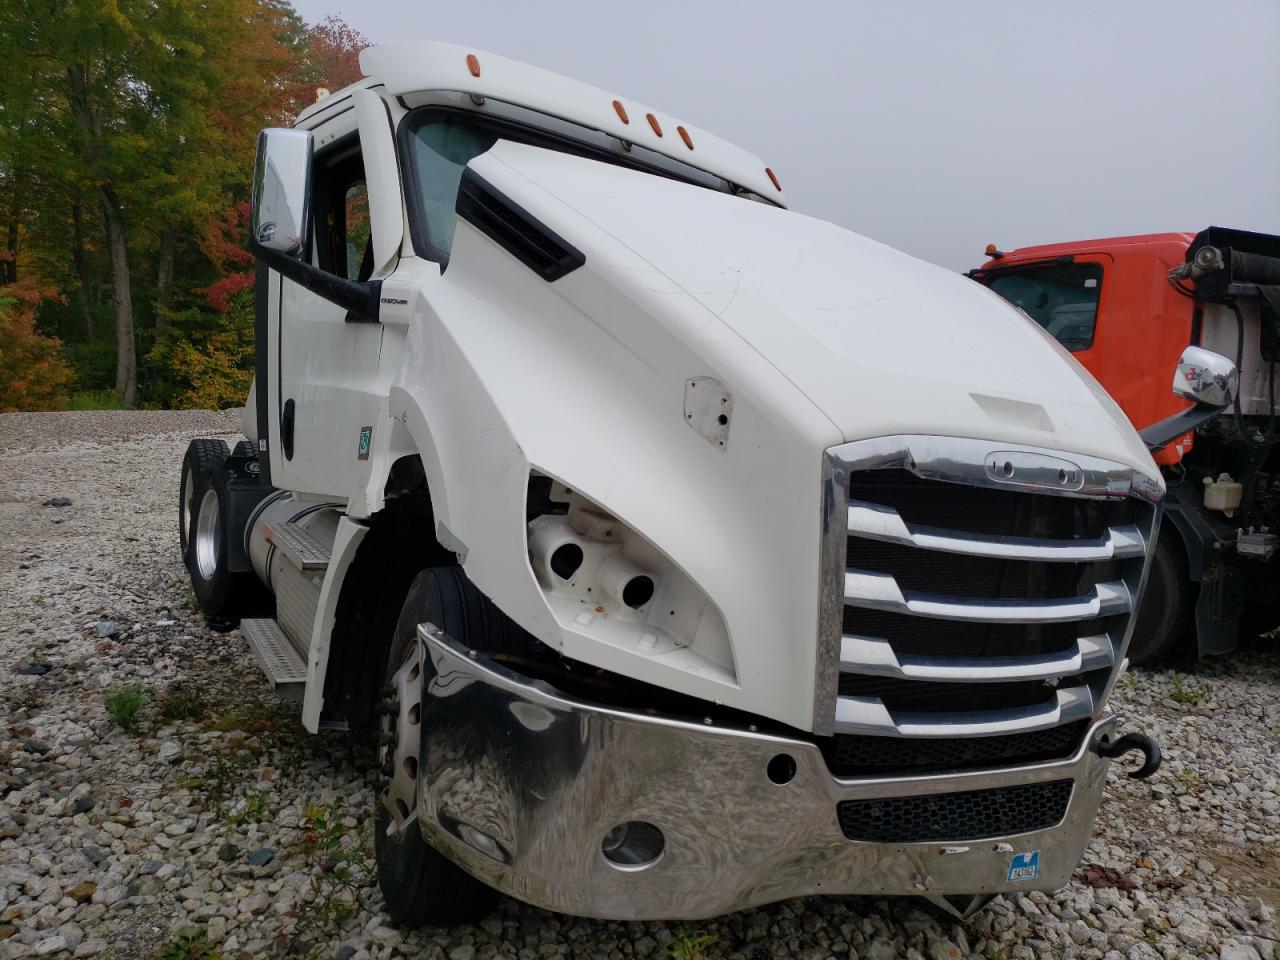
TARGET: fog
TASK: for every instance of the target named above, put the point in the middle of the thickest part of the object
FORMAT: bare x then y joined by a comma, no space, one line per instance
934,127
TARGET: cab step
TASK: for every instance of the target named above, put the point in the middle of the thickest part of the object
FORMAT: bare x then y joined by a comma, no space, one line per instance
278,658
303,550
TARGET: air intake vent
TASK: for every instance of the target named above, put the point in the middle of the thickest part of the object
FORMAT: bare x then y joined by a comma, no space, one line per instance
950,817
515,229
854,756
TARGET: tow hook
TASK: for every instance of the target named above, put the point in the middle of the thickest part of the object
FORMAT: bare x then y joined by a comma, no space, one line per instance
1111,749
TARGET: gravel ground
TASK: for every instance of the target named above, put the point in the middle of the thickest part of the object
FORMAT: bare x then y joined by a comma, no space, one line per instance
217,819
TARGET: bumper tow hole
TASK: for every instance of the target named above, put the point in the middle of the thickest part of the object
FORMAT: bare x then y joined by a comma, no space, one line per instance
781,769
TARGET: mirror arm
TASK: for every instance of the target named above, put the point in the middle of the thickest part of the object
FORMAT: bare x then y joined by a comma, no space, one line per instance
1162,432
360,299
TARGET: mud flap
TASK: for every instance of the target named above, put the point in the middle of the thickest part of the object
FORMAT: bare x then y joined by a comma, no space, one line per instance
1218,609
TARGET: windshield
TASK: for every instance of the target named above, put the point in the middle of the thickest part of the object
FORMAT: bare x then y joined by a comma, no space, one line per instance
441,150
1061,297
441,142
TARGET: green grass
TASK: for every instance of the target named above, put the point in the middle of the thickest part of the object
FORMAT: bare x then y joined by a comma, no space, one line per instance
342,870
1182,693
124,704
188,946
181,703
93,400
688,945
255,809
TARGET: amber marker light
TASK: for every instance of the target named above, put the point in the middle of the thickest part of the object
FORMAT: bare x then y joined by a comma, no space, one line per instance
684,135
774,178
473,64
653,122
621,111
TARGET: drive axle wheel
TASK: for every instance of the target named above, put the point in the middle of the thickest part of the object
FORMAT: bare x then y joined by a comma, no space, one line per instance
224,596
420,885
201,454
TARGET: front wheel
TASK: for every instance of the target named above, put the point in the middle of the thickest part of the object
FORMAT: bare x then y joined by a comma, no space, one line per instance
420,885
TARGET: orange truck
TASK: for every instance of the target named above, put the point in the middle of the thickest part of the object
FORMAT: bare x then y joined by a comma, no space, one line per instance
1126,308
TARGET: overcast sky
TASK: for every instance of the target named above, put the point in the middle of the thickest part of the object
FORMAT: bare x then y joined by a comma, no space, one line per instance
935,127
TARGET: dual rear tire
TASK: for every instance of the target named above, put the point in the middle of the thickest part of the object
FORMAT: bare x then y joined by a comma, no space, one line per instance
205,532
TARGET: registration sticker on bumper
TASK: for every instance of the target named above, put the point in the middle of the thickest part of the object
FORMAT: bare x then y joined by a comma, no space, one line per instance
1024,866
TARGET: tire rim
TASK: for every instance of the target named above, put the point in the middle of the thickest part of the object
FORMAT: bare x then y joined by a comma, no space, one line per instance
208,538
188,501
402,739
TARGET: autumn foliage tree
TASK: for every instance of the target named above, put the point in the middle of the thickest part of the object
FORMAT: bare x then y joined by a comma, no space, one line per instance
333,52
127,131
35,375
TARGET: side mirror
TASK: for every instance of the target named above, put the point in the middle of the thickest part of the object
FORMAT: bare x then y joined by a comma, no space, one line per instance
1207,379
282,191
279,227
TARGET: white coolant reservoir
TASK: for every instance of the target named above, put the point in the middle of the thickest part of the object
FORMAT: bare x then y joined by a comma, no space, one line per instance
1222,494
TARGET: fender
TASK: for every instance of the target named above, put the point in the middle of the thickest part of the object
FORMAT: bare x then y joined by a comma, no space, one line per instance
346,545
411,425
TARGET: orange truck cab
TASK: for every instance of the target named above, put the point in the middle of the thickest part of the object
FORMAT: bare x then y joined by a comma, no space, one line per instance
1126,308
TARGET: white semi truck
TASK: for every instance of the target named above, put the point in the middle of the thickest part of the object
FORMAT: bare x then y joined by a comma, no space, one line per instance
681,553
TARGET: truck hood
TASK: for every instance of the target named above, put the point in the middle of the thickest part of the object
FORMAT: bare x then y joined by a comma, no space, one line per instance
878,341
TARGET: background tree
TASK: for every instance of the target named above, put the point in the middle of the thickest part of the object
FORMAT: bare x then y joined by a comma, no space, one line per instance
32,371
333,52
127,131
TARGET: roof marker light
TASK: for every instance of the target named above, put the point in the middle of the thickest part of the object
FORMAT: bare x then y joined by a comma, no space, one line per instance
473,64
684,135
653,122
774,177
621,111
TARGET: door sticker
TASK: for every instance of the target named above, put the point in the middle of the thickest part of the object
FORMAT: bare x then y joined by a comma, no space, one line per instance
366,439
1024,866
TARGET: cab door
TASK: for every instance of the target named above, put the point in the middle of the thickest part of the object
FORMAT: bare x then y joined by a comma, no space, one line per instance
328,401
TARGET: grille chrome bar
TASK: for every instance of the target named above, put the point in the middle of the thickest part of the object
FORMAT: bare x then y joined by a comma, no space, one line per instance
873,521
880,591
868,715
874,657
916,633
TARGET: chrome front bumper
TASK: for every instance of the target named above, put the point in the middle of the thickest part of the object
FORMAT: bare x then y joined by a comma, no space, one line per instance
519,785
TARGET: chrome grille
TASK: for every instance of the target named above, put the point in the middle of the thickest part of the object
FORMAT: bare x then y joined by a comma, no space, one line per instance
974,590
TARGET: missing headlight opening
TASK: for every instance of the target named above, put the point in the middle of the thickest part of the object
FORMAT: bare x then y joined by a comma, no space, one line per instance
637,592
605,581
565,560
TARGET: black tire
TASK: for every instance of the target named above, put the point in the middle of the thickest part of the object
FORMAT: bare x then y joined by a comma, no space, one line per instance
245,448
224,597
420,885
1167,611
200,454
